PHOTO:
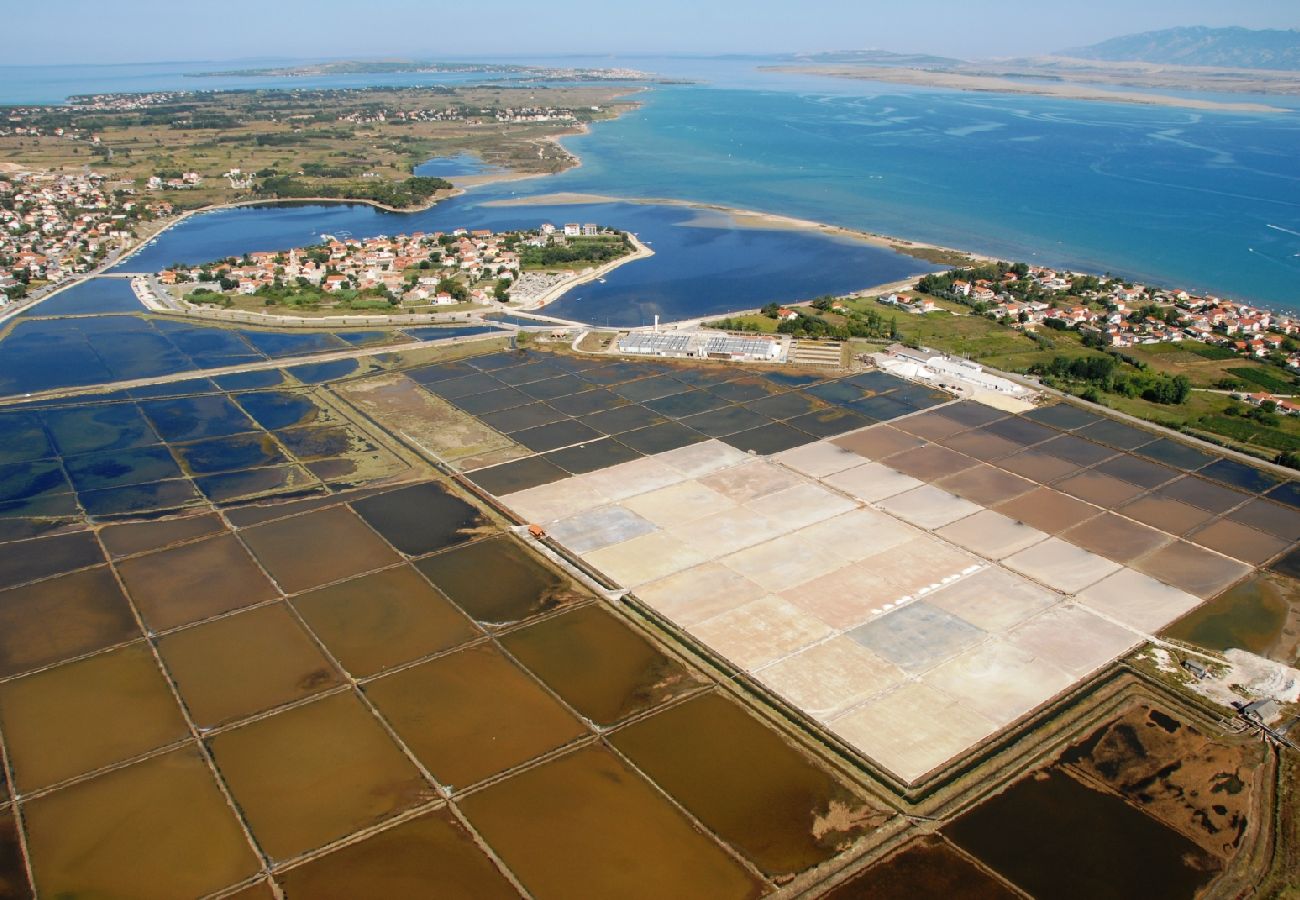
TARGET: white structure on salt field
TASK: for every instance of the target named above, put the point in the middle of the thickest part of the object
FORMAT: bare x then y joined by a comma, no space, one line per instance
930,365
705,345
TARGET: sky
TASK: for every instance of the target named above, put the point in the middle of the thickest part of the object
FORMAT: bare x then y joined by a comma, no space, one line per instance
122,31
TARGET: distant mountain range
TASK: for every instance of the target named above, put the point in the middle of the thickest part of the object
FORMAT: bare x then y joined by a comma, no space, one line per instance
1236,48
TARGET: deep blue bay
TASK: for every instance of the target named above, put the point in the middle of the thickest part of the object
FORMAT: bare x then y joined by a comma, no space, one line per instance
702,265
1202,200
1206,201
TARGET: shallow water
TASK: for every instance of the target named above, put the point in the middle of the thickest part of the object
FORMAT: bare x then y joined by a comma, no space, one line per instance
746,784
341,546
520,586
43,557
472,714
78,717
195,581
926,867
120,834
13,874
421,518
384,619
138,537
598,664
1249,616
90,611
1107,847
315,773
244,664
98,295
280,409
432,855
587,825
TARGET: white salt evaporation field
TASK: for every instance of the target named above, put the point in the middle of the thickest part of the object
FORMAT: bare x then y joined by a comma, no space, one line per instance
914,586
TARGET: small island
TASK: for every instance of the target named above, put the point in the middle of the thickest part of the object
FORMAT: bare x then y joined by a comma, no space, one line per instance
420,274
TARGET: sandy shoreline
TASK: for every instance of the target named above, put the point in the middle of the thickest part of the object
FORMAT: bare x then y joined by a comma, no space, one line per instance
640,251
997,85
746,218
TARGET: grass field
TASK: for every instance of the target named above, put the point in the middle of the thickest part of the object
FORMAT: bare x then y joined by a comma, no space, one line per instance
1269,379
1204,413
753,323
307,132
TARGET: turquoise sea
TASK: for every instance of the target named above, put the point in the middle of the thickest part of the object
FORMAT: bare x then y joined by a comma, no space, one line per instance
1202,200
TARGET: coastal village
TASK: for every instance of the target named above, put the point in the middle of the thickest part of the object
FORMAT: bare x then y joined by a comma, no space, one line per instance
1121,314
1111,313
54,227
438,269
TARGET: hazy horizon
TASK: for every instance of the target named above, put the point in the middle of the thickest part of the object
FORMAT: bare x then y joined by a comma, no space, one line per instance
147,31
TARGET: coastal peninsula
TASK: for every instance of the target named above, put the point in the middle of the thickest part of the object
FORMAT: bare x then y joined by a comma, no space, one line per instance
190,150
451,276
1022,80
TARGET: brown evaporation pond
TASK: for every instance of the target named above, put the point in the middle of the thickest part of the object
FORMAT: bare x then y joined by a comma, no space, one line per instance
60,618
384,619
1038,466
519,475
746,784
1099,490
1192,569
599,664
931,425
1277,520
986,485
318,548
84,715
1134,470
929,463
429,856
315,773
1251,616
1116,537
140,537
472,714
926,867
1201,786
981,445
422,518
586,825
22,529
1167,515
1239,541
1204,494
251,484
1076,450
878,442
1054,837
520,585
1048,510
43,557
257,513
244,664
194,581
259,891
13,873
157,829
